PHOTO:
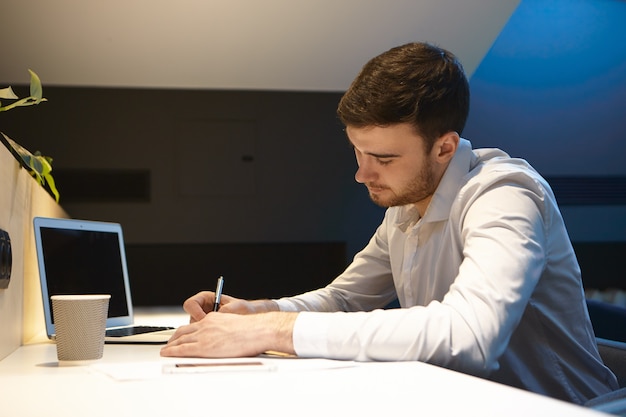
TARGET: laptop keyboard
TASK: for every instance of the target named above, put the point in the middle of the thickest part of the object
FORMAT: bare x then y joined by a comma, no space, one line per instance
130,331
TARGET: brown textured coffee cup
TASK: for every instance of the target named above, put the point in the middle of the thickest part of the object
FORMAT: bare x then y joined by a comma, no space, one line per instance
80,322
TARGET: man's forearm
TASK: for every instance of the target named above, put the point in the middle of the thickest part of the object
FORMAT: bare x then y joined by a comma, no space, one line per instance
276,330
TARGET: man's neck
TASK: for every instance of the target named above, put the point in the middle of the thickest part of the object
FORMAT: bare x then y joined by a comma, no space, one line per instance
422,205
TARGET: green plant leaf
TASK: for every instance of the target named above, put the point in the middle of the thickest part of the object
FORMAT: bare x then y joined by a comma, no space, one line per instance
36,94
52,186
8,93
36,91
39,166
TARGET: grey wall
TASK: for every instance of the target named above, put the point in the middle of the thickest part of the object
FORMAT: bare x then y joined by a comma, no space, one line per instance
224,166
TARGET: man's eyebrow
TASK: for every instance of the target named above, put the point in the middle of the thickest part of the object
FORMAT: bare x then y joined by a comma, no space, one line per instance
382,155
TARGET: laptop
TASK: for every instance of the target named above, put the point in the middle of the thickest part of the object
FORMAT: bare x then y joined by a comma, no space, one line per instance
88,257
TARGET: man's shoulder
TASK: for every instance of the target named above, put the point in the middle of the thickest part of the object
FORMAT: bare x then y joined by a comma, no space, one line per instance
493,162
493,167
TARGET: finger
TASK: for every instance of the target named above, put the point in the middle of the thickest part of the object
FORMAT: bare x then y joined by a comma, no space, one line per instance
181,332
182,350
198,305
185,343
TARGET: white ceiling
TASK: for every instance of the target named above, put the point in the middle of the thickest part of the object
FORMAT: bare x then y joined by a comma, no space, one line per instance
230,44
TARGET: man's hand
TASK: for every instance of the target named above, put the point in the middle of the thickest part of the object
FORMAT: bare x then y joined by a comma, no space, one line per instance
200,304
233,335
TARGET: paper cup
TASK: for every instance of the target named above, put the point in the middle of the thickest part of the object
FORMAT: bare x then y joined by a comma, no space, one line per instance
80,322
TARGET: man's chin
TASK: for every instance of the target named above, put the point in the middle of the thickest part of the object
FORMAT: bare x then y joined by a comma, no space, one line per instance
379,201
395,201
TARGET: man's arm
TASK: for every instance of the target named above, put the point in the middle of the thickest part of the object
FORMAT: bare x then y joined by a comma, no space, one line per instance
233,335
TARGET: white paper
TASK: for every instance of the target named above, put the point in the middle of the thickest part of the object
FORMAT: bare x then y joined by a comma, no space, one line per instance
132,371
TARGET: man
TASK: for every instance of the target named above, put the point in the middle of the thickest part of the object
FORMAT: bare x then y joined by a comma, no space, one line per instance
472,245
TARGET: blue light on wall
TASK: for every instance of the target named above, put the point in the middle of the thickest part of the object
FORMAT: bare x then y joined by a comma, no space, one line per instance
552,89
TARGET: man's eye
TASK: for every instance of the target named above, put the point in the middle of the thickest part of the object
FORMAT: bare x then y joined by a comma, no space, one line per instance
384,161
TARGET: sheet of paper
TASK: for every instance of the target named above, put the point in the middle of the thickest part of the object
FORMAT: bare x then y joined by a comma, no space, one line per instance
129,371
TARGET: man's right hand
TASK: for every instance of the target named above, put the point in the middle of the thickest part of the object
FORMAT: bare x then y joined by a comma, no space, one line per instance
200,304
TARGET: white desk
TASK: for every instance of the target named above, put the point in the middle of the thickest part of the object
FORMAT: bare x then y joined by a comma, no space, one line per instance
33,385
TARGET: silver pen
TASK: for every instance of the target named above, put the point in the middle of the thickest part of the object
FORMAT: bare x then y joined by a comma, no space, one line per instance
218,293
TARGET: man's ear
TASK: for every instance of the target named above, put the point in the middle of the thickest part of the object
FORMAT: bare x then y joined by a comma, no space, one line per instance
446,146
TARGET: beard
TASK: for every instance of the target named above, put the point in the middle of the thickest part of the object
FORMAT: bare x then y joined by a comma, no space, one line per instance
419,188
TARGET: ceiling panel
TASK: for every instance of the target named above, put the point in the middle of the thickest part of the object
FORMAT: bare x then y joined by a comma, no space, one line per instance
230,44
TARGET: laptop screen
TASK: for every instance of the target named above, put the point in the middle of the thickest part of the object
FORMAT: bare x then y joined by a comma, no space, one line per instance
84,262
82,257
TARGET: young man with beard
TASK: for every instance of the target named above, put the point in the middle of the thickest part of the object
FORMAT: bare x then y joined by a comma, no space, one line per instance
472,245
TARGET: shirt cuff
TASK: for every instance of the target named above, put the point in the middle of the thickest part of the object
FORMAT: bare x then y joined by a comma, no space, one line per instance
310,334
285,305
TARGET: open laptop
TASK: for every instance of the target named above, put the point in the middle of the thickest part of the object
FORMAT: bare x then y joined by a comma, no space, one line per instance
88,257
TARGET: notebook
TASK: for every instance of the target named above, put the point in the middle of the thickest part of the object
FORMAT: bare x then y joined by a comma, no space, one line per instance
88,257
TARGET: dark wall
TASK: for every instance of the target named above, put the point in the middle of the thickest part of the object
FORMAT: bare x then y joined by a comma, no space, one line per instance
189,169
166,274
221,166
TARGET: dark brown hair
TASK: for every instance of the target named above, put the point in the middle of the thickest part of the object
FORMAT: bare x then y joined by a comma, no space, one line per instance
416,83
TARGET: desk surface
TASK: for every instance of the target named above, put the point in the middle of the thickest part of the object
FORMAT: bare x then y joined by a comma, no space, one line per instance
33,384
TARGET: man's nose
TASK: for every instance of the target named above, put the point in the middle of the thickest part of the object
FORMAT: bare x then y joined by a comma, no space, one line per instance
364,173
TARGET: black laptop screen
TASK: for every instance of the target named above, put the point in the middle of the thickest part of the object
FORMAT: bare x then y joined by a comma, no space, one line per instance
84,262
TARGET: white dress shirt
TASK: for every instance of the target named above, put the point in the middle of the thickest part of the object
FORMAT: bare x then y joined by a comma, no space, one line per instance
487,280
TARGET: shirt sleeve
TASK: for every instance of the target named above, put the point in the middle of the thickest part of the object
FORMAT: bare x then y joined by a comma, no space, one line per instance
502,233
310,334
